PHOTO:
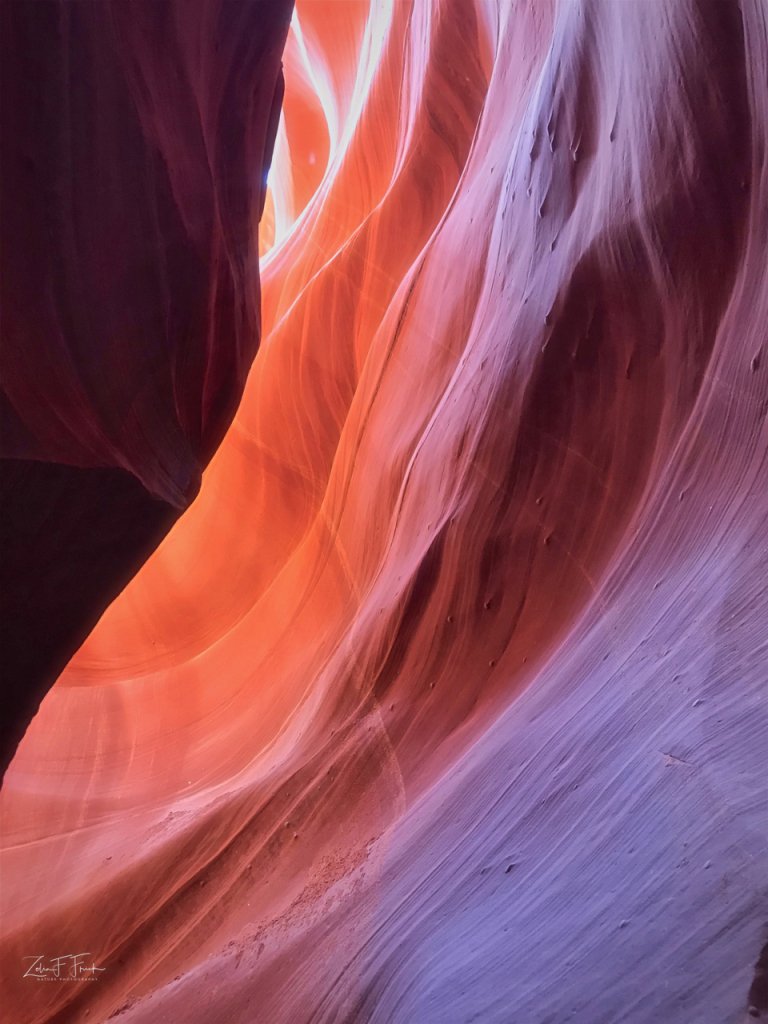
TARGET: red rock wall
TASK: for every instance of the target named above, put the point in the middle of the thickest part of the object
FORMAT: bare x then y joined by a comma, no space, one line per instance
134,135
136,139
445,700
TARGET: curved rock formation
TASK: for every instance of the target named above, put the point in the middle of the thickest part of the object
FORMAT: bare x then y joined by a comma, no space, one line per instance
445,700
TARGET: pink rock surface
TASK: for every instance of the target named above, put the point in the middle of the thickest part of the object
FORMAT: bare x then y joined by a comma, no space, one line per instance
446,699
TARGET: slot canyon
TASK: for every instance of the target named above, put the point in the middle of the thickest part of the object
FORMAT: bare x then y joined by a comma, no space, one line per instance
385,511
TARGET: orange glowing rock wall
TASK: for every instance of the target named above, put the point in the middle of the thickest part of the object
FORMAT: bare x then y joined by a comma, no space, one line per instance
445,700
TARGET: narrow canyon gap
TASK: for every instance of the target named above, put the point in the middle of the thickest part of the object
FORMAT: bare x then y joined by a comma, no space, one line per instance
445,699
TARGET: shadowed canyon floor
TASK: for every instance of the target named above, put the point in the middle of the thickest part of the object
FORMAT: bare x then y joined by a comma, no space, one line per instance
446,700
